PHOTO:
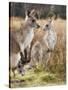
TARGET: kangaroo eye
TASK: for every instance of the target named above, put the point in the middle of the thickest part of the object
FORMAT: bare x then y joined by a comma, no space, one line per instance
47,25
33,20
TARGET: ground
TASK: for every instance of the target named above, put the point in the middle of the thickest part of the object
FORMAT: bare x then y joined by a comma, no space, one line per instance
36,77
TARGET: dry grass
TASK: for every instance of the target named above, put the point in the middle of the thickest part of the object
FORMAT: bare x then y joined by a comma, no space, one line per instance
15,23
57,64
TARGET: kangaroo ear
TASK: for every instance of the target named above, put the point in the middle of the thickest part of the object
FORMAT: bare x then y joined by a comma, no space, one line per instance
27,13
30,13
51,19
33,12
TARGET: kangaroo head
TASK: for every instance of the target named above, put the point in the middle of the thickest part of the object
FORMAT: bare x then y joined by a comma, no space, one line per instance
48,25
31,19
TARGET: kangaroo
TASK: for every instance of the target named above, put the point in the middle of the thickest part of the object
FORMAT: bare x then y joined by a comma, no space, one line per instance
47,38
20,39
51,38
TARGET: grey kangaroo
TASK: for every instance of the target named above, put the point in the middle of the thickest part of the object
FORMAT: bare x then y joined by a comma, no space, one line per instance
20,39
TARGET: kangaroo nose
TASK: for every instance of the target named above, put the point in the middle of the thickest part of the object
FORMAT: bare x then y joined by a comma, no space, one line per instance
47,25
38,26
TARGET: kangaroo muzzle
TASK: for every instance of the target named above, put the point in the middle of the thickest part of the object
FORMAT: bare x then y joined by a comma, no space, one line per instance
38,26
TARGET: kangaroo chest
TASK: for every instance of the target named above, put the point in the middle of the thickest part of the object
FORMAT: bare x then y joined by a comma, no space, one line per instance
28,38
24,39
50,38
